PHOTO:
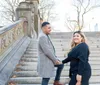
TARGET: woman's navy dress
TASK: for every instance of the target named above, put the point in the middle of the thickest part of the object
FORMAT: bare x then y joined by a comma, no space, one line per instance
78,58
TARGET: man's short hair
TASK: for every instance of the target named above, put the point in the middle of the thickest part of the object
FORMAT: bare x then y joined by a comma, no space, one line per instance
44,24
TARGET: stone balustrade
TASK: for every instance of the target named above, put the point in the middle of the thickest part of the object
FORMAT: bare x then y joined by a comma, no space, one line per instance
10,34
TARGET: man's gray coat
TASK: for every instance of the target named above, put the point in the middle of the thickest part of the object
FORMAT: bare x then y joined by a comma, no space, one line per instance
46,56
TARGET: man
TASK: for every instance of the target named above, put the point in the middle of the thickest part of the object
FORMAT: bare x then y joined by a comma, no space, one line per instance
47,59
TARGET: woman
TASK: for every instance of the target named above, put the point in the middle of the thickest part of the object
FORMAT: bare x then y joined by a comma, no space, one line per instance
80,70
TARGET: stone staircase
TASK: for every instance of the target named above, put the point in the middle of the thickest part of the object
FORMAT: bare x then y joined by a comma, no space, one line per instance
25,72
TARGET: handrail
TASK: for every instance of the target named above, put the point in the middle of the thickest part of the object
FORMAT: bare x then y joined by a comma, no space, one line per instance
9,27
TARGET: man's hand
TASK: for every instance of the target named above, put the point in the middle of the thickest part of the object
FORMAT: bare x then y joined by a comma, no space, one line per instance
58,62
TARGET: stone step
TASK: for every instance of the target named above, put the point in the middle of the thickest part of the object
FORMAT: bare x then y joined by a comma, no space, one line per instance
89,34
61,40
69,38
40,84
37,84
63,49
95,62
48,84
67,43
68,34
66,46
34,80
60,51
34,53
34,58
31,59
35,74
34,68
26,61
25,74
62,56
94,58
52,84
37,80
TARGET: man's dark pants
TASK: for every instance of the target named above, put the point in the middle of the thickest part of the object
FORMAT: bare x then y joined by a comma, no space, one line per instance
58,74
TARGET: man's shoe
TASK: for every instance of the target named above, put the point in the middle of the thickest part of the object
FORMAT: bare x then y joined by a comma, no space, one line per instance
57,83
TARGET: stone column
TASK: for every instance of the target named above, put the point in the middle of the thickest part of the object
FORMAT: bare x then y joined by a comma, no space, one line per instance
24,11
29,10
34,6
36,16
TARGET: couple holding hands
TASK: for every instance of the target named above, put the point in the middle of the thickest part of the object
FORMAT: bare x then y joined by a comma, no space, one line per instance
78,56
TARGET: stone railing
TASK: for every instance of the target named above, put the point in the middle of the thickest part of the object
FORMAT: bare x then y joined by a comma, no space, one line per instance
10,34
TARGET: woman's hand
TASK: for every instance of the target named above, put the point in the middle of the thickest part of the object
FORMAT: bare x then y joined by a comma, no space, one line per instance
78,83
79,79
58,62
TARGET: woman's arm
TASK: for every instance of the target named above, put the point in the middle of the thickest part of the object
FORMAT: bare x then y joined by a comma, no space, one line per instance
71,56
76,53
68,59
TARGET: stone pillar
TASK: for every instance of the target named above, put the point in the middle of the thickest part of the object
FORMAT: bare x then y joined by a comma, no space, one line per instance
24,11
34,5
29,10
36,16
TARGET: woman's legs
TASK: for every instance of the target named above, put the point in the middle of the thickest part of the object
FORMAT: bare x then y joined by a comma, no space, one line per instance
86,77
85,83
73,80
45,81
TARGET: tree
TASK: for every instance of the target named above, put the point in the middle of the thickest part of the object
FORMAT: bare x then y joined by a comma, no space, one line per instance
8,9
46,10
82,7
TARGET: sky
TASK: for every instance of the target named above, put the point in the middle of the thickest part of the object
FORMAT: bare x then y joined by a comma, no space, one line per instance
63,7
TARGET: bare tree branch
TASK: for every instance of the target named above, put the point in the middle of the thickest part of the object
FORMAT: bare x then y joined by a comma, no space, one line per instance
69,27
46,7
93,7
82,8
9,9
